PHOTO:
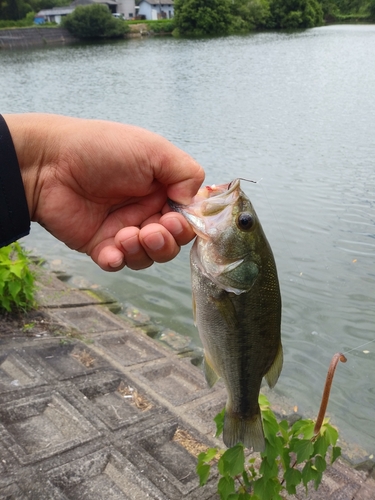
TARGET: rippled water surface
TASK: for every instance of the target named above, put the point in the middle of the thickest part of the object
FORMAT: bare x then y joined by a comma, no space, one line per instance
295,110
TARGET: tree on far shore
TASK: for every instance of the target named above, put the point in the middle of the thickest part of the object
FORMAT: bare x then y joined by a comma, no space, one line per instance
202,17
94,21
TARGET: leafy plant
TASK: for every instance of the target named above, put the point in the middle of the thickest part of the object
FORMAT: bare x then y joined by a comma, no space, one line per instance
293,455
16,279
94,21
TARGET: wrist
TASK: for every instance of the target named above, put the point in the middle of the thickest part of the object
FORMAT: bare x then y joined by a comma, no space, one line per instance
29,143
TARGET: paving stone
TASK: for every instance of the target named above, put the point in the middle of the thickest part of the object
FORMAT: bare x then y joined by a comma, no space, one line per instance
367,491
42,425
339,483
16,372
203,414
131,347
174,381
118,402
68,360
88,320
105,474
174,340
12,492
62,298
167,463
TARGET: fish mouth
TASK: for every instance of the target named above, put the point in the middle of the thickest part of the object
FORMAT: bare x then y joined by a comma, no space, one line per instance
210,208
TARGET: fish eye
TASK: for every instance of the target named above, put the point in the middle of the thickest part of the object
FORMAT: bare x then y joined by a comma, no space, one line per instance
245,221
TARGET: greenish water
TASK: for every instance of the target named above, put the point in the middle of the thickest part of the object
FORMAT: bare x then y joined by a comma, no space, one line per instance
295,110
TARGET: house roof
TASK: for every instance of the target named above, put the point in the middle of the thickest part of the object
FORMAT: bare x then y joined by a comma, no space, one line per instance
75,3
158,2
56,11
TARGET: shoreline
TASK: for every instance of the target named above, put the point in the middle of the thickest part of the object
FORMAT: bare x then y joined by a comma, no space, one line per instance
34,36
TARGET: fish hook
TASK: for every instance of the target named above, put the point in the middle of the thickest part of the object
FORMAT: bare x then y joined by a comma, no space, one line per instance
327,389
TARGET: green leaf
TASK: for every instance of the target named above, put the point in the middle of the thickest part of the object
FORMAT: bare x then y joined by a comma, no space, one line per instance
321,445
14,289
303,448
267,490
292,478
225,487
246,480
219,420
284,429
268,470
285,458
263,402
320,463
309,473
332,434
270,425
17,268
208,455
274,449
203,472
318,480
336,452
304,427
232,461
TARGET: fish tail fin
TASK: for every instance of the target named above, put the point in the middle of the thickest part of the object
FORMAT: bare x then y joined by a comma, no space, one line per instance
248,431
274,372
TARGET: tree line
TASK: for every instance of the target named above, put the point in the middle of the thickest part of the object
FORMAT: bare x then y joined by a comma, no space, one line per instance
205,17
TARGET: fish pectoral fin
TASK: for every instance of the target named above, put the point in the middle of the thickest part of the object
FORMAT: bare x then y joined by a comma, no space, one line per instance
227,311
209,372
274,372
248,431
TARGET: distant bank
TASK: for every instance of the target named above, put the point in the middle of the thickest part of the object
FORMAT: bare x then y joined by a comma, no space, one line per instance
23,38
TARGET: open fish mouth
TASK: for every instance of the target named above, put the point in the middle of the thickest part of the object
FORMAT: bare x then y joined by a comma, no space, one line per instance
210,208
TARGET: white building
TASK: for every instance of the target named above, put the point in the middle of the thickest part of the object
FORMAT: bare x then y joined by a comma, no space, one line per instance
52,15
156,9
126,8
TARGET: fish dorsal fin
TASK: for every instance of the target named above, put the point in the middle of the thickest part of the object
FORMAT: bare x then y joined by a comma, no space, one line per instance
209,372
273,373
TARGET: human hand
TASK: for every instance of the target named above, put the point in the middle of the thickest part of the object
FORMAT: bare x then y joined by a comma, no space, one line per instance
101,187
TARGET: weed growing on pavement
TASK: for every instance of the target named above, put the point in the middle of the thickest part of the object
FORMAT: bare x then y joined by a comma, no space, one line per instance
16,279
293,455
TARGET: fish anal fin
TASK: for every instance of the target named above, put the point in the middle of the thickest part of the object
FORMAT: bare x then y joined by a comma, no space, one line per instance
209,372
248,431
274,372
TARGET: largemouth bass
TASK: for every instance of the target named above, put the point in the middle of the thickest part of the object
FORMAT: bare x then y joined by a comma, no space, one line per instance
236,303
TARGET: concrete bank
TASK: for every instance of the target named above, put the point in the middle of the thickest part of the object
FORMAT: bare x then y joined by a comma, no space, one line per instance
26,38
98,410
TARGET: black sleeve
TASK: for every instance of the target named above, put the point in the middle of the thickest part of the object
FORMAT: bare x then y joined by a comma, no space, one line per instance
14,212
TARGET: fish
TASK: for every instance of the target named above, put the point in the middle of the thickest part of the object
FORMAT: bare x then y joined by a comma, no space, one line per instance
236,304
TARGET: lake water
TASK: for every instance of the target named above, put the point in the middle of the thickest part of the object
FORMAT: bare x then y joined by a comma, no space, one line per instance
295,110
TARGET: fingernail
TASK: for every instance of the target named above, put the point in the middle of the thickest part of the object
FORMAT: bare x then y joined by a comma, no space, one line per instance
174,226
118,263
154,241
131,245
